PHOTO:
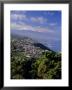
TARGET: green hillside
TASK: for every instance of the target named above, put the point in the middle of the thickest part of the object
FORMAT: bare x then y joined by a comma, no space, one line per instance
33,62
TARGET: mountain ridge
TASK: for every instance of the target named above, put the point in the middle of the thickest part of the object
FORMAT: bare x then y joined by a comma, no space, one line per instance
38,37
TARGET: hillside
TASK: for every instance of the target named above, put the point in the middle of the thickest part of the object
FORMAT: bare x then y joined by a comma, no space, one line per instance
43,38
28,46
32,60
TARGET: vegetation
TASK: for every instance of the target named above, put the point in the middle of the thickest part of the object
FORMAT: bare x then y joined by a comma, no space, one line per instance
45,66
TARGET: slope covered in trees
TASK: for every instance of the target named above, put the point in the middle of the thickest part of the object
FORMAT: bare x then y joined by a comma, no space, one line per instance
28,61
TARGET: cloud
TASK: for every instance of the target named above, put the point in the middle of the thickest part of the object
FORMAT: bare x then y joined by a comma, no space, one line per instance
53,24
18,23
49,13
18,16
40,20
24,26
15,26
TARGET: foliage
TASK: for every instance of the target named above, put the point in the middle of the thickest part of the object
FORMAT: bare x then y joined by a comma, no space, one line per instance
43,64
47,66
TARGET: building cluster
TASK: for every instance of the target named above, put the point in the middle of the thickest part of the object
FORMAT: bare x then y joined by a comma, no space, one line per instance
27,46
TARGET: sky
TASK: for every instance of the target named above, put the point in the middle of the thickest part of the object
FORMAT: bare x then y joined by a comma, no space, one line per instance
44,22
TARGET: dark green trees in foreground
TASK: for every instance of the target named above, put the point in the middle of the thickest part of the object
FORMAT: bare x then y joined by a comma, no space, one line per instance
47,66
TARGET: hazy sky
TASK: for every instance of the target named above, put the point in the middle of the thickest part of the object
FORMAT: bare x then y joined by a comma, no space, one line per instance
47,22
40,21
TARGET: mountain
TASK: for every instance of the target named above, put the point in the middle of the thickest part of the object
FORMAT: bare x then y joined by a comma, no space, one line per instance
40,37
31,59
27,45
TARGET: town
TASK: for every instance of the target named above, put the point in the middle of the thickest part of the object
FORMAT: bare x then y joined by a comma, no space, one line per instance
26,45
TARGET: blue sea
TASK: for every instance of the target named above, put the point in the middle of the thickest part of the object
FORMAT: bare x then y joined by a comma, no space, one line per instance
52,42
